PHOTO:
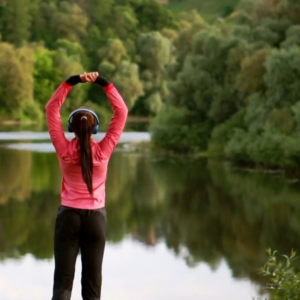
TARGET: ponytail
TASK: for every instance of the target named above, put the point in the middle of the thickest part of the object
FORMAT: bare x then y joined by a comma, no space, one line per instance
85,149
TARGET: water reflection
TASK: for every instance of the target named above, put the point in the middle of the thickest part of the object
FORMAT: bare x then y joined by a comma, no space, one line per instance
200,210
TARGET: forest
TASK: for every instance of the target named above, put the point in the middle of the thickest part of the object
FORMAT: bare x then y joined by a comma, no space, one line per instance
227,87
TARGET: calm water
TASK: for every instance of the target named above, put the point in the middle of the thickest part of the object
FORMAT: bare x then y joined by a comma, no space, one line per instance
177,229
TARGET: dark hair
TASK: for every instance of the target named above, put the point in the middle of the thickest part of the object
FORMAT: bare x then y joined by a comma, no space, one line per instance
83,123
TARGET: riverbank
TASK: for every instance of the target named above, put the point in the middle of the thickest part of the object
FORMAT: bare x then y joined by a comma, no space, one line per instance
144,146
292,176
18,122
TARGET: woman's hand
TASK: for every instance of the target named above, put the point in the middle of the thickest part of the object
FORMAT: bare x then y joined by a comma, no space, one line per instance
89,77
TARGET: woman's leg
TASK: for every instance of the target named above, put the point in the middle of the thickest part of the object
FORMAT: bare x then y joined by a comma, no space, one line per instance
66,247
92,245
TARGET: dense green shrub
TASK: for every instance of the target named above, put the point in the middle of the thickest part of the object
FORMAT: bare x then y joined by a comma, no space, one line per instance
284,280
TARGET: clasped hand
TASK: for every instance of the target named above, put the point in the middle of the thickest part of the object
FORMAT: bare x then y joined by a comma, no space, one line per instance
89,77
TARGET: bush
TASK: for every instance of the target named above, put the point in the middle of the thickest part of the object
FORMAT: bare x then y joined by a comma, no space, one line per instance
30,111
269,150
284,281
173,130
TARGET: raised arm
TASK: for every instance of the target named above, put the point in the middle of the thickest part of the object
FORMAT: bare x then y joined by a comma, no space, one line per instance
120,112
53,117
53,111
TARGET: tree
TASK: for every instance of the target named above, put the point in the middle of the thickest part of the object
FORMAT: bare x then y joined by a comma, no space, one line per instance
155,52
292,37
153,16
126,22
15,185
98,11
251,78
16,83
127,80
282,73
74,49
261,9
115,65
15,21
46,76
69,22
63,20
68,65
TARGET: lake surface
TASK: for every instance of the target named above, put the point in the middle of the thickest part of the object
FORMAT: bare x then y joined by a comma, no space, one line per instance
177,228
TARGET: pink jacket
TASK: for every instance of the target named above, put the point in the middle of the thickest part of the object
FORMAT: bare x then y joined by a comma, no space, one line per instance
74,192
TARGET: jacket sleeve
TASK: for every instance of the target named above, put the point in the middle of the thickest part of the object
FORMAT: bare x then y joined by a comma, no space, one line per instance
116,127
53,117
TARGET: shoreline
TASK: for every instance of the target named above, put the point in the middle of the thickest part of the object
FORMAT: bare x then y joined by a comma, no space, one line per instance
16,122
130,119
146,146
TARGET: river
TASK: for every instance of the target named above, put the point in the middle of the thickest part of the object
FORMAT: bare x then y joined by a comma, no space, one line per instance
177,228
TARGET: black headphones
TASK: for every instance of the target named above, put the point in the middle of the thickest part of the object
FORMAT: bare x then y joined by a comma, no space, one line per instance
96,127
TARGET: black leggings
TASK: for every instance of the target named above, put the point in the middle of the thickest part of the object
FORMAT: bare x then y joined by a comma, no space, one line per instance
85,230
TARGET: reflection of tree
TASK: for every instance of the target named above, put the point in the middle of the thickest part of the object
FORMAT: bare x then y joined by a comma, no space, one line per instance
204,212
45,173
24,171
132,197
27,226
215,214
190,219
266,210
121,175
15,180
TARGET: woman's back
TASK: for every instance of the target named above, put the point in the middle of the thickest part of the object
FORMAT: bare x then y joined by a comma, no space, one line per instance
74,191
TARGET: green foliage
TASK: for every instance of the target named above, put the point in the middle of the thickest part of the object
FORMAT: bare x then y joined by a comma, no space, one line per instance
250,80
269,149
97,10
154,50
201,86
155,54
67,21
15,20
283,279
153,15
167,129
172,128
16,83
124,74
70,64
127,81
209,9
223,132
230,87
68,38
30,110
46,76
239,79
292,37
125,21
282,73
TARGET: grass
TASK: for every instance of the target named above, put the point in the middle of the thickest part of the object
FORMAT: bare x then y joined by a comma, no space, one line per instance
209,9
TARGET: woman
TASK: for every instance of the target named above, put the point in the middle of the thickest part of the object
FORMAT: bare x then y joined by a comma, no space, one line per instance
81,218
